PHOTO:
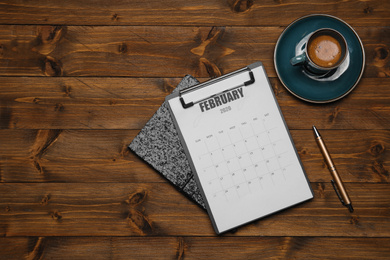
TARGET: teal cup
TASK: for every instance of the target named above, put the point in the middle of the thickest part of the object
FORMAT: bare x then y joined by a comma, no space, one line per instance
324,51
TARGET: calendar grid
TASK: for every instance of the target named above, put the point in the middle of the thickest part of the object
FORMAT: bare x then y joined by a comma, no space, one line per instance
242,160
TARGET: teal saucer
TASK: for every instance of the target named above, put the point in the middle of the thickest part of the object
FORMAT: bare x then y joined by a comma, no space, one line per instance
313,89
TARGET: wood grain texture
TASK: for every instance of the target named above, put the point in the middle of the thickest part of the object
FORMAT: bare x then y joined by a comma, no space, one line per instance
84,156
195,248
79,79
176,12
155,51
127,103
157,209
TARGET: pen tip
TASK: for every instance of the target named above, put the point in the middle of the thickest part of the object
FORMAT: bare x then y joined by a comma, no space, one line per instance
317,134
350,208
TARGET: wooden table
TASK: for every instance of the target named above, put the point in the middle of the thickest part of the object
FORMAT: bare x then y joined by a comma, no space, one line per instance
79,79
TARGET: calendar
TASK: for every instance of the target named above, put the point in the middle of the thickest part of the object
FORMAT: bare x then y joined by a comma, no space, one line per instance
239,148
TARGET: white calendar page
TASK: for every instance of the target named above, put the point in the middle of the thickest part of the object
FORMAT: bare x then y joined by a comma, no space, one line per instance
242,155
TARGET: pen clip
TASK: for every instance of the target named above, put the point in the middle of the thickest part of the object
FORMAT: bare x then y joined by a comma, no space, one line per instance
337,192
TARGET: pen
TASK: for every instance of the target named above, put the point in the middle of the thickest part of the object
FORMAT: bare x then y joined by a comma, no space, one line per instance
336,180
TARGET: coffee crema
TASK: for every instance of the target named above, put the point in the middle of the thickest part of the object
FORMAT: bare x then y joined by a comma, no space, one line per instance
325,51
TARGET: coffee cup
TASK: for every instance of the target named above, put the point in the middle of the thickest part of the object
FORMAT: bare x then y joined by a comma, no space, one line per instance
324,51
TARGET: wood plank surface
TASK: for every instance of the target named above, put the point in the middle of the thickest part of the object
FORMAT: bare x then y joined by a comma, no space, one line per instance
79,79
198,12
88,155
157,209
195,248
127,103
155,51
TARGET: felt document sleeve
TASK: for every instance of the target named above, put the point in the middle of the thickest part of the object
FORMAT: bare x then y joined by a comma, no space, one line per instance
159,145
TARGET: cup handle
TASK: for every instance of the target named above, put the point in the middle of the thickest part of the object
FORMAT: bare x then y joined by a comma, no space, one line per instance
298,59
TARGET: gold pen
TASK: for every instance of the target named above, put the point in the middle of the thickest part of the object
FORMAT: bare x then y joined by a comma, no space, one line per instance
336,180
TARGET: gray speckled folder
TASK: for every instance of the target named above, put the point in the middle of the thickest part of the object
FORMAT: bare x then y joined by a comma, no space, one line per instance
159,145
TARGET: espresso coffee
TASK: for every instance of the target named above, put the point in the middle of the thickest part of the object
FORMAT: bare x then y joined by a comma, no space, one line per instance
324,50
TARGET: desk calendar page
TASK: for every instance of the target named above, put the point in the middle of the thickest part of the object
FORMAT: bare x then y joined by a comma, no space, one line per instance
240,150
